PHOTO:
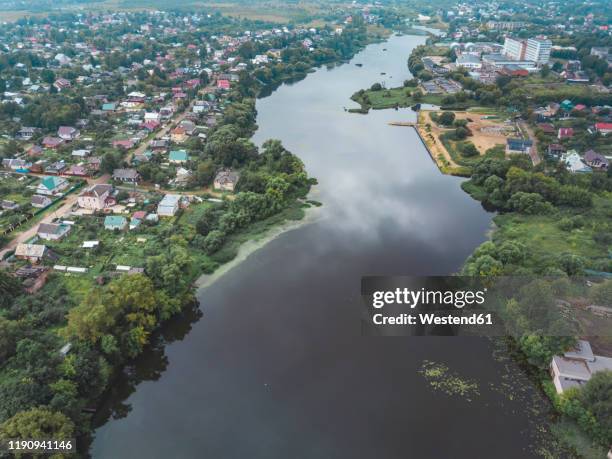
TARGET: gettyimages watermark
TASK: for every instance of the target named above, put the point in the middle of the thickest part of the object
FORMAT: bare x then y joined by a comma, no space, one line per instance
478,306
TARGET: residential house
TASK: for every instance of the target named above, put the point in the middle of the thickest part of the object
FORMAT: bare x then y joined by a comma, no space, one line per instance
134,223
555,150
81,153
26,133
596,160
565,133
178,135
97,197
52,231
169,205
182,176
52,142
178,156
15,164
567,105
55,168
31,252
547,128
115,222
5,204
603,128
514,145
226,180
577,366
150,125
189,127
158,145
34,151
139,215
124,144
143,157
61,84
93,163
68,133
574,163
51,186
40,202
126,175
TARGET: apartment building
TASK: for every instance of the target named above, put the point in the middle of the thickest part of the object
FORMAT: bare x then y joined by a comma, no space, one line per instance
538,50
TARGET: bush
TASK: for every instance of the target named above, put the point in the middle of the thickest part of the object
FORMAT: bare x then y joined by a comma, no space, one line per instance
529,203
468,150
376,87
460,133
446,118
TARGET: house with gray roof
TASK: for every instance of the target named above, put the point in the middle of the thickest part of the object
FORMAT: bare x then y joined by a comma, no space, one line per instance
52,231
226,180
577,366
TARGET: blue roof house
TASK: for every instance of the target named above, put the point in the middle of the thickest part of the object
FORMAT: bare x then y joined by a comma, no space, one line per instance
115,222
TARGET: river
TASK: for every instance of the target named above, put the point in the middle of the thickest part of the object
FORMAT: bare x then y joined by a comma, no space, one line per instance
276,366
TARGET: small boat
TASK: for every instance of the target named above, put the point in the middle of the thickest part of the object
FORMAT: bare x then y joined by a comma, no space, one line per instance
359,65
384,49
383,73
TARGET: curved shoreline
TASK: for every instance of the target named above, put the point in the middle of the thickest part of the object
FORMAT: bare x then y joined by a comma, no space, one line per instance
253,245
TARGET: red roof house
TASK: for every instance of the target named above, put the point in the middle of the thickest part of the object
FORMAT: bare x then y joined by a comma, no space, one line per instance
604,128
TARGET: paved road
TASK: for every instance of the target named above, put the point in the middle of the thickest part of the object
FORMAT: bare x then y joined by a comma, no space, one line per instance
70,200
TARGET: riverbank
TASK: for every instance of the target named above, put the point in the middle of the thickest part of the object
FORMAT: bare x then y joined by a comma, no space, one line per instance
257,238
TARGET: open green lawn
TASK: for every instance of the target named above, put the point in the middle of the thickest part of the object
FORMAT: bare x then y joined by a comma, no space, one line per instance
567,432
394,97
544,238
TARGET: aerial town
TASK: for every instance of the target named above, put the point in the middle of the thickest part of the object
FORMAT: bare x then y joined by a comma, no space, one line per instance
128,171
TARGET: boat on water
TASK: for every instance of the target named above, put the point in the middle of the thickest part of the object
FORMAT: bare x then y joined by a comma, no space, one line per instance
359,64
383,73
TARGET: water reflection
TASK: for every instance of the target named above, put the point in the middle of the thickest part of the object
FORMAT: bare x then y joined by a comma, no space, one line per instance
277,367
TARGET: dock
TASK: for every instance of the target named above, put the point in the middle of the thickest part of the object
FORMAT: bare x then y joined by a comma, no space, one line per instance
403,123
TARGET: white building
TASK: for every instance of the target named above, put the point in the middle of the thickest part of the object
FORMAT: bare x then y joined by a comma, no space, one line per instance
97,197
469,61
515,49
538,50
576,367
169,205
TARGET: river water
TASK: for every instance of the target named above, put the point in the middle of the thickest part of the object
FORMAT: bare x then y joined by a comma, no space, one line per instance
276,366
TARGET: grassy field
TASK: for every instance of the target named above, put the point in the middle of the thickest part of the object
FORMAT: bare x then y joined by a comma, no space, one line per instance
270,11
392,98
545,239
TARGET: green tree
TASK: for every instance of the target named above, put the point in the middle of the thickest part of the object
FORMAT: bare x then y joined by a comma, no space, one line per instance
601,293
38,423
446,118
596,395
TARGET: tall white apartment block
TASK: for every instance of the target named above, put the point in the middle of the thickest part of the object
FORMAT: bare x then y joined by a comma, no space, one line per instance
538,50
515,49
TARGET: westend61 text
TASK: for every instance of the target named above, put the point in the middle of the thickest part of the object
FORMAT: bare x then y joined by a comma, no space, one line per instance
432,319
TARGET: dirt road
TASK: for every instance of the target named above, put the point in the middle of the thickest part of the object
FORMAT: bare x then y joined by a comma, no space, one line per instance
70,200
